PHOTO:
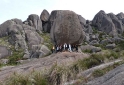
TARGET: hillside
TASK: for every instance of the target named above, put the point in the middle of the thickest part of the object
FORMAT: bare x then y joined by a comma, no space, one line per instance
97,48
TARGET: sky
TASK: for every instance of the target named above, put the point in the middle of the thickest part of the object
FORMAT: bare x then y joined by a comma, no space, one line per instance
21,9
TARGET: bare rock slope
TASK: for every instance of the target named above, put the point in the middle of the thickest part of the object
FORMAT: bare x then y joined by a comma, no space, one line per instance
64,58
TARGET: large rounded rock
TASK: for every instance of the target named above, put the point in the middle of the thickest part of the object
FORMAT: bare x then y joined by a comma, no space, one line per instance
104,23
66,28
35,22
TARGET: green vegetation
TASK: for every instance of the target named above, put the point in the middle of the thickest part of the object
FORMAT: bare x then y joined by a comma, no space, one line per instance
87,51
101,35
101,72
120,45
17,55
94,30
4,41
47,40
58,74
35,78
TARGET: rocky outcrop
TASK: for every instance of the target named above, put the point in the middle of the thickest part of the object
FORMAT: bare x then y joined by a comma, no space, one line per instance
111,46
104,23
117,23
90,48
21,36
120,15
4,52
35,22
65,58
4,27
82,21
39,51
114,77
51,19
44,18
33,38
66,28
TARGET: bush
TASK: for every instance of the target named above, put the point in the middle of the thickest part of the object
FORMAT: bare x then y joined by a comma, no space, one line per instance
112,54
47,40
87,51
16,55
93,60
35,78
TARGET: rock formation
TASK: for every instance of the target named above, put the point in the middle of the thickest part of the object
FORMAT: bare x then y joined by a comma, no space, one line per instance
104,23
44,18
35,21
66,27
114,77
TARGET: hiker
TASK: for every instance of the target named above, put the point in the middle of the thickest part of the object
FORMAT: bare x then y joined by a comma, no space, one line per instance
76,47
57,49
60,48
53,49
70,48
65,46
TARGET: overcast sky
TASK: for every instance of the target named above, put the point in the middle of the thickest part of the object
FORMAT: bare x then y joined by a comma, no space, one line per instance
20,9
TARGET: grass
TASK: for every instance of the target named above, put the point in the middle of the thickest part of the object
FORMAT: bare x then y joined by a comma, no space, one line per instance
101,72
47,40
4,41
16,55
58,74
87,51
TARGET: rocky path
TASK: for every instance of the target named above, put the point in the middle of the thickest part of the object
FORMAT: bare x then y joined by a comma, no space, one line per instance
64,58
88,72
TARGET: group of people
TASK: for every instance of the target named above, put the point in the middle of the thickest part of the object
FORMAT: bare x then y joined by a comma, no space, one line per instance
64,47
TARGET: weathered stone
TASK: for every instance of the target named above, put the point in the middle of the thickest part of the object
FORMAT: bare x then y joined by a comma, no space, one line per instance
66,28
4,61
114,77
17,36
111,46
117,23
104,23
4,27
94,42
106,41
35,22
39,51
44,51
89,29
4,52
120,15
33,38
90,48
44,16
82,20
